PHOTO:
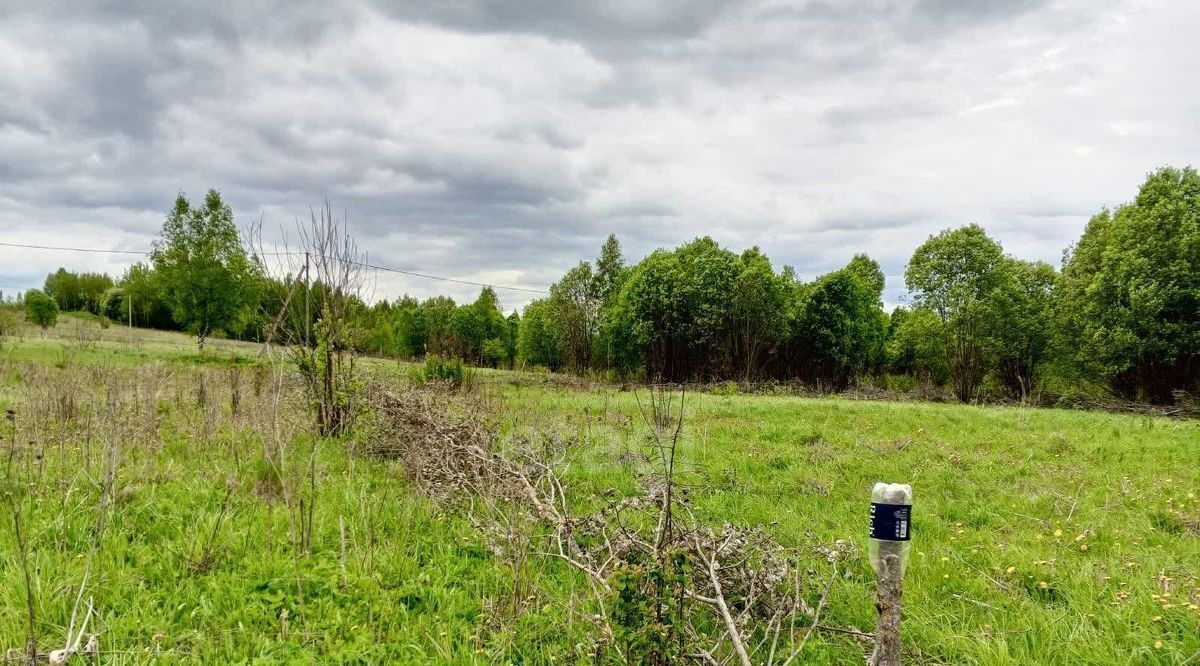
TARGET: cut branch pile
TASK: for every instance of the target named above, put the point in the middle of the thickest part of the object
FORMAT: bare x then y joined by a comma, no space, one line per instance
667,587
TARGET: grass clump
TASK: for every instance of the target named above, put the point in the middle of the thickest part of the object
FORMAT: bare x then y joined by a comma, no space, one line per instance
447,371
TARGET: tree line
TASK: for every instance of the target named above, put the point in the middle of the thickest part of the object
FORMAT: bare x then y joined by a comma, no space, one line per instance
1121,315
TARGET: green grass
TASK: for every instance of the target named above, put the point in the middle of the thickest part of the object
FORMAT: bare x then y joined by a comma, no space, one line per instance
1098,507
1005,502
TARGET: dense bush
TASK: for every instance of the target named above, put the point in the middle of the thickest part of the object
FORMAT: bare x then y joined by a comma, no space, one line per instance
40,309
113,303
449,371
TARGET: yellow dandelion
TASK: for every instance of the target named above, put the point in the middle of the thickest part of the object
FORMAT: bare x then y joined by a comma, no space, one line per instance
1057,533
1158,645
1010,569
1043,585
945,559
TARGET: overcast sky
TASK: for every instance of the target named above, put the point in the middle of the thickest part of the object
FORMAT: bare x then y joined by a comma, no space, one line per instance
502,141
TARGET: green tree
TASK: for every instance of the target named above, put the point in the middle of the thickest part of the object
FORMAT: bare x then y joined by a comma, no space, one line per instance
493,352
40,309
841,328
868,272
1129,306
143,296
916,345
610,271
205,276
675,310
510,338
576,306
758,311
436,315
610,277
92,287
954,274
471,326
64,287
1018,324
537,339
112,303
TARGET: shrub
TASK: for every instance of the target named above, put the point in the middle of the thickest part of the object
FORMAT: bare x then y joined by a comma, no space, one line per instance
112,303
40,308
493,352
727,388
9,320
449,371
900,383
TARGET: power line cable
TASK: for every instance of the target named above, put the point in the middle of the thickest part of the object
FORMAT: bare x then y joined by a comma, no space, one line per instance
71,249
364,264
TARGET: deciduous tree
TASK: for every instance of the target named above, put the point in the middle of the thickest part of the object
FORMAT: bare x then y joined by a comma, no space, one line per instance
40,309
953,274
203,271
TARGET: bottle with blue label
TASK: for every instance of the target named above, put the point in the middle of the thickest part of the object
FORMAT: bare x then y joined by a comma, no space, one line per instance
891,527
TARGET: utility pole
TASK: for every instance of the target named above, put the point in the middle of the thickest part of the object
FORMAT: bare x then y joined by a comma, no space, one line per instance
307,291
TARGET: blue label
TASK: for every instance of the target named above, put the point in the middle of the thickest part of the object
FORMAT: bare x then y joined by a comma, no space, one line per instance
891,522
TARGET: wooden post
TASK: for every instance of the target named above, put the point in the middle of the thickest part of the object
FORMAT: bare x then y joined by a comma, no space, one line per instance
888,549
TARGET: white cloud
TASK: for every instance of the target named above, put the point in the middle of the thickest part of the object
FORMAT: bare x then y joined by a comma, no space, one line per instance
490,143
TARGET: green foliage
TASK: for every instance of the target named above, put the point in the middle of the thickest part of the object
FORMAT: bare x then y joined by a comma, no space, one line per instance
77,291
494,352
1018,321
141,293
471,326
1124,313
916,345
40,309
112,304
538,342
1130,291
674,308
841,328
647,609
328,370
758,312
202,269
449,371
575,302
986,473
954,274
10,319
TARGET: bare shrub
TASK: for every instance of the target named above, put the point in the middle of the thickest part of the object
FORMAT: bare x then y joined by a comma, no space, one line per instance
314,321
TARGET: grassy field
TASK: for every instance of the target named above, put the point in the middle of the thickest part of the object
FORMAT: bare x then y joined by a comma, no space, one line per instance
1040,536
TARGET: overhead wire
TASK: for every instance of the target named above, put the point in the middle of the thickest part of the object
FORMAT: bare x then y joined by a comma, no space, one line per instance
389,269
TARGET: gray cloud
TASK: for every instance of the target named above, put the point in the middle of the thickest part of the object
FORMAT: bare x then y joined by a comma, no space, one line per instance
503,141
